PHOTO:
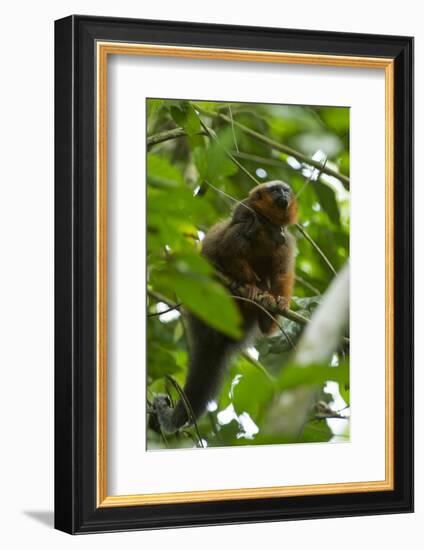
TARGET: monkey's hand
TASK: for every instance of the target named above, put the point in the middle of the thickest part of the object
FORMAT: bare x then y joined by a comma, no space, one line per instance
161,419
274,304
250,291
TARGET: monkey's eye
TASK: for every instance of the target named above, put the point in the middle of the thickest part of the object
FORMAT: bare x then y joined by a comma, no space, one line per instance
258,195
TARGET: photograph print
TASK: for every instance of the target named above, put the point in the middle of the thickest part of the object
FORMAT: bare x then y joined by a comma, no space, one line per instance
248,216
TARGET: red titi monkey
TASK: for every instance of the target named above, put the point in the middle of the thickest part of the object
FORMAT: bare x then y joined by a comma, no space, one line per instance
253,249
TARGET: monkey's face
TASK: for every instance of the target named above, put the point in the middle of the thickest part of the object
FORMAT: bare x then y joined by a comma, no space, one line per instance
276,201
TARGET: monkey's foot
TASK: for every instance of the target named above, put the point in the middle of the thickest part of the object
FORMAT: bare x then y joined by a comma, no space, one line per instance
266,300
274,304
282,303
252,291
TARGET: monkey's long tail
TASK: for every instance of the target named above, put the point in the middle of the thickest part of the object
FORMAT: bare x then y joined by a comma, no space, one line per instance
210,352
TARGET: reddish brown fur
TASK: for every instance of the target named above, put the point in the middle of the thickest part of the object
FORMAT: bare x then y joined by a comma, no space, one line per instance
257,262
265,206
251,249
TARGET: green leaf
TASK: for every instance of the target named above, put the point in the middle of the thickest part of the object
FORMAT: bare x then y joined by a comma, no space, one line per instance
200,158
293,376
185,116
228,433
178,332
153,107
160,361
204,297
343,162
327,199
251,392
173,215
212,161
210,106
210,302
161,173
192,262
316,432
336,118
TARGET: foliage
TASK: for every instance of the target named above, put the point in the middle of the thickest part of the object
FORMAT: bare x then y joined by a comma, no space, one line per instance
266,397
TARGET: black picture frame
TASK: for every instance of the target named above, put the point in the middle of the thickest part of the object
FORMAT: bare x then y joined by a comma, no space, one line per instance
76,508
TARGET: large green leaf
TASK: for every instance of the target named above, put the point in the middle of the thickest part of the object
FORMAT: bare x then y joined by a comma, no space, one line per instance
212,161
336,118
185,116
161,172
315,432
153,107
293,376
327,199
251,392
160,361
204,297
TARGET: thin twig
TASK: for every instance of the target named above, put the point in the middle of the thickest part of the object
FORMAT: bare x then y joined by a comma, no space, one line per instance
218,190
307,285
213,135
323,416
174,133
158,313
317,248
287,337
187,406
214,426
310,178
232,127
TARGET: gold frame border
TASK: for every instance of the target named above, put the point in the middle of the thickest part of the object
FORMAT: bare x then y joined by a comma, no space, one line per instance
103,49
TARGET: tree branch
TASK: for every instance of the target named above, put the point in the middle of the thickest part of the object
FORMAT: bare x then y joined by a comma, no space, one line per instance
317,248
243,292
159,313
167,135
280,147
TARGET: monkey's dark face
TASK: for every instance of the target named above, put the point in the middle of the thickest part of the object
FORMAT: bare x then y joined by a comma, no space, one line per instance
276,201
280,192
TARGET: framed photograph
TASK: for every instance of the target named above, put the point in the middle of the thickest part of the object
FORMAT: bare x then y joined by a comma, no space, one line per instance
234,274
